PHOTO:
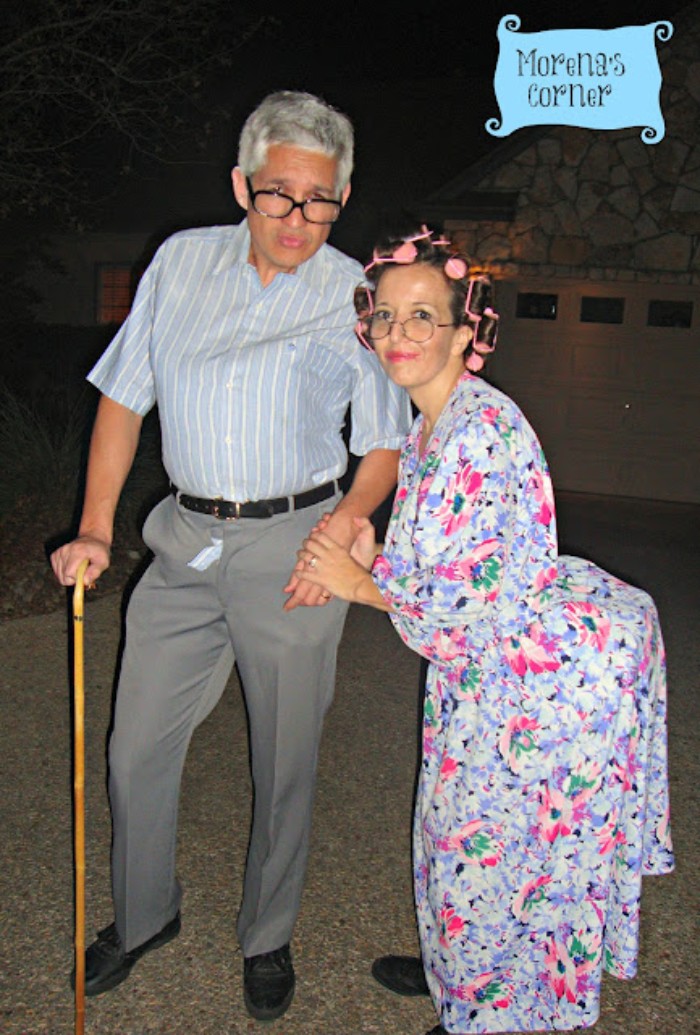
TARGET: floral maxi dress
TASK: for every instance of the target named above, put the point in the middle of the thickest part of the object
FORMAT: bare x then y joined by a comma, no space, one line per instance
543,795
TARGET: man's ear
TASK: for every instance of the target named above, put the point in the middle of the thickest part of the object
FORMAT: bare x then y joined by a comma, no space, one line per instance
345,195
240,188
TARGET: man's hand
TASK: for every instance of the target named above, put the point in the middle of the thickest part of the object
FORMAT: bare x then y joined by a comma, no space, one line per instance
67,559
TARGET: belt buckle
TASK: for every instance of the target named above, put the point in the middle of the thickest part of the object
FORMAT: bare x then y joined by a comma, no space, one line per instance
216,509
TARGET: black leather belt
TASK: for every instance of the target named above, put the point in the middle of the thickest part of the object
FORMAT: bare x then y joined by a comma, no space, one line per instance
227,510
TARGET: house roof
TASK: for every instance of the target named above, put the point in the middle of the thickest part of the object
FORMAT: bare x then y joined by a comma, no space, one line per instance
460,198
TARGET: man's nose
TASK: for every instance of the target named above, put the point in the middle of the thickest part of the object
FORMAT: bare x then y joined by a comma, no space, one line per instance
295,217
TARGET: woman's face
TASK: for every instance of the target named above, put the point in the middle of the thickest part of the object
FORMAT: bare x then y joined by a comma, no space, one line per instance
419,292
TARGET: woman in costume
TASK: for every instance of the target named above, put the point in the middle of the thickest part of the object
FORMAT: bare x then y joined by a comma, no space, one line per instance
543,791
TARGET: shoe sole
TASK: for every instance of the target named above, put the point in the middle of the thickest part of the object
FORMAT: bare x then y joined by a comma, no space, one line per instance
268,1013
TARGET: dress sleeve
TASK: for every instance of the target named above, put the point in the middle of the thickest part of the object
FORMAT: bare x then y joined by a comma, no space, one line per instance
444,568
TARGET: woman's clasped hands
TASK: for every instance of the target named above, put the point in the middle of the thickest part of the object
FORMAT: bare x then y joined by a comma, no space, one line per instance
342,573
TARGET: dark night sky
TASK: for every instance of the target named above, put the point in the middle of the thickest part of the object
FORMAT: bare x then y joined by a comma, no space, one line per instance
417,85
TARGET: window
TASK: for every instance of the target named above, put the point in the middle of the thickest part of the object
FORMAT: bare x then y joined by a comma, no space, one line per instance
533,306
597,309
664,313
114,290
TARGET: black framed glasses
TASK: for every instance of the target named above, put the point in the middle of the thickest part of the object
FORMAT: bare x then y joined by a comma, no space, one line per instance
275,205
418,329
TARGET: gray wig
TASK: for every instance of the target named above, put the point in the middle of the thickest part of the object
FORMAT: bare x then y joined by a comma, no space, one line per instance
302,120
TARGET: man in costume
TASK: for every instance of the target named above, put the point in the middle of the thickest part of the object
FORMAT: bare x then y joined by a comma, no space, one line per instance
243,337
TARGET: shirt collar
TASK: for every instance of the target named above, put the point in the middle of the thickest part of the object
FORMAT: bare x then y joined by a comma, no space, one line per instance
311,273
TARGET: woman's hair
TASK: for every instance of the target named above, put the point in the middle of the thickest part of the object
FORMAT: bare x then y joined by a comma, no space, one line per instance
302,120
470,292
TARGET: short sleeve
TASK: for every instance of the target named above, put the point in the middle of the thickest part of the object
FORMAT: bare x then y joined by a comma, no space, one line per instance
380,410
124,371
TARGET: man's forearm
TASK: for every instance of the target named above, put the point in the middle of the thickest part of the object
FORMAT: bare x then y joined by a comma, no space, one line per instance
115,437
374,479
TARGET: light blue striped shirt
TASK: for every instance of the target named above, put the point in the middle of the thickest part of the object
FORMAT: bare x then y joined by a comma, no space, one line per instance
252,383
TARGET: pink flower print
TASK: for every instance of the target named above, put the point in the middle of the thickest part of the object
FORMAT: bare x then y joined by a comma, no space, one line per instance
544,584
610,835
531,894
541,488
400,496
545,577
582,782
493,416
663,831
517,742
623,775
562,971
591,625
469,686
451,925
448,644
480,570
555,814
448,770
477,844
456,506
486,989
585,951
531,651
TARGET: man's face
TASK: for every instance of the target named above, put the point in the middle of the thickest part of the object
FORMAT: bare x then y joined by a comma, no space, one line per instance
281,245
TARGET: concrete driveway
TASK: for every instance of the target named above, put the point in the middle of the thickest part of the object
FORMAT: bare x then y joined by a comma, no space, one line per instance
357,902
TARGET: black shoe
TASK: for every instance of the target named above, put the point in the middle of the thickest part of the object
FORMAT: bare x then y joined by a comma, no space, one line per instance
106,963
268,984
437,1030
401,974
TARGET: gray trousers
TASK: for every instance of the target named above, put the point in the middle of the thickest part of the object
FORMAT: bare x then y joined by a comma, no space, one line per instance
184,628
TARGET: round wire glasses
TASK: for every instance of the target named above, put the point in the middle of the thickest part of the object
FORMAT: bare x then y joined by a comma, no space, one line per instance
418,329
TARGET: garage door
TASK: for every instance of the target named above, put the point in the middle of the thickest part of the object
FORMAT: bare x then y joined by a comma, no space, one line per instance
609,376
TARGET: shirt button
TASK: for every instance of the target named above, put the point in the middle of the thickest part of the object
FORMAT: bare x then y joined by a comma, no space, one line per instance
228,440
291,345
229,385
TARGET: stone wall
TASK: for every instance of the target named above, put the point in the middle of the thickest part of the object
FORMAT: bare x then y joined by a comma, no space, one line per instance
604,205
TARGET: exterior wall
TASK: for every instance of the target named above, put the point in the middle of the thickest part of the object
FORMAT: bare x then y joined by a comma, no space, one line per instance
604,205
617,406
67,283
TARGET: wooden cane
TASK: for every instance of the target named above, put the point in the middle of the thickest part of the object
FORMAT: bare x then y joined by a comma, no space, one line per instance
79,794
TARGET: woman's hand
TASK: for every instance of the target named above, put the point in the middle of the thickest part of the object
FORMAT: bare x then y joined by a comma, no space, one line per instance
325,563
364,549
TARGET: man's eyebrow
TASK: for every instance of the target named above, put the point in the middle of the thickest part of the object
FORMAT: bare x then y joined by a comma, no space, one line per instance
280,184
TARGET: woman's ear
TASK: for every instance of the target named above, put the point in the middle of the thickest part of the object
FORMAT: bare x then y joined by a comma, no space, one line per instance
460,342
